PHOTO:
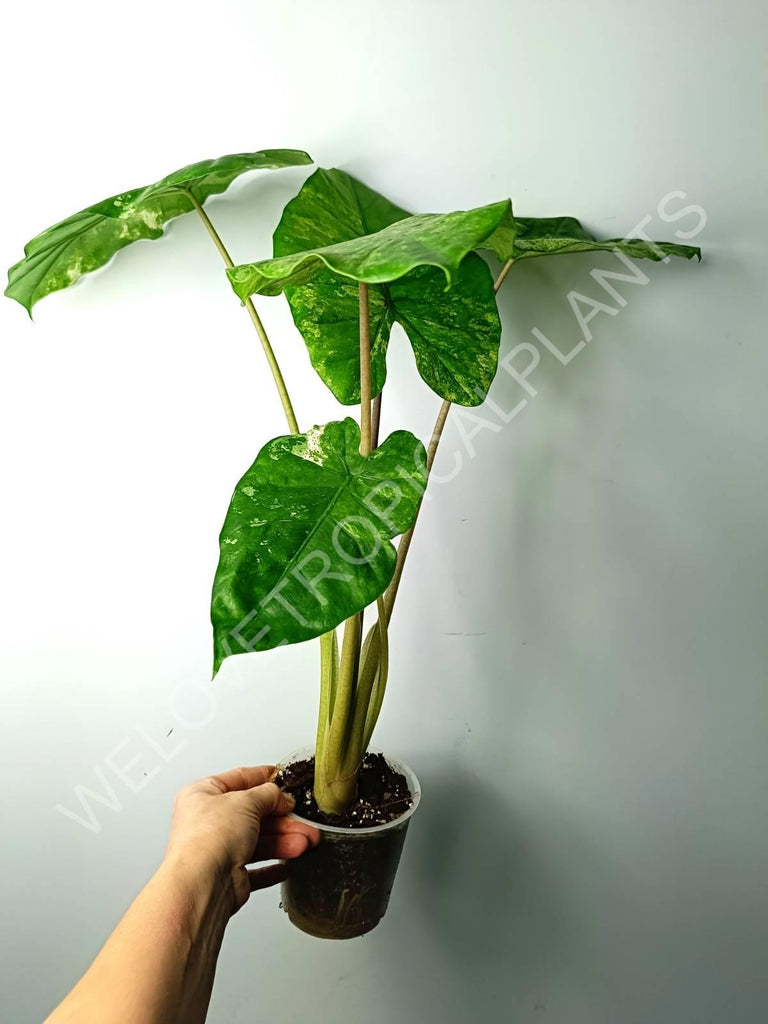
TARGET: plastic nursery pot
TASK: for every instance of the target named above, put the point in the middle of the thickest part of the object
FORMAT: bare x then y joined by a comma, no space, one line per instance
340,888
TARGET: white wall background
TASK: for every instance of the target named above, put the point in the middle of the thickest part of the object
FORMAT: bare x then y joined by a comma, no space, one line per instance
579,670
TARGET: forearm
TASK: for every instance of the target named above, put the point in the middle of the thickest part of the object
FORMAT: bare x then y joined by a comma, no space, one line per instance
158,965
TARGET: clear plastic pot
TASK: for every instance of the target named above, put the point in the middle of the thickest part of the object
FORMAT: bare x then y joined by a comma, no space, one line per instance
340,888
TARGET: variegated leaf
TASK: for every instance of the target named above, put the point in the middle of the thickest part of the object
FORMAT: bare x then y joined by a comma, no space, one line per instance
59,256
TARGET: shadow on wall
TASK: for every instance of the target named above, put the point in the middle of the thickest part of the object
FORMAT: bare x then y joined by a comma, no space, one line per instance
486,902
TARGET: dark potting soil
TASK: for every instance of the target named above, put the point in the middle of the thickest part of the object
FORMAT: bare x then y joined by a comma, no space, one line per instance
382,793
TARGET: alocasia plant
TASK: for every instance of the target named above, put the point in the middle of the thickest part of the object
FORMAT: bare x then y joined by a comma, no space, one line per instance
307,541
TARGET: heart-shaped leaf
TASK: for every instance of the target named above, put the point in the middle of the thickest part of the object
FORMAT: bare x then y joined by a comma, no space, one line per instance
455,334
86,241
306,540
548,236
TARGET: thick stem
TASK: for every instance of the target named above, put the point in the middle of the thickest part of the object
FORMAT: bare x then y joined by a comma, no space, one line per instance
381,638
365,371
274,366
376,421
337,763
366,678
337,784
329,673
405,541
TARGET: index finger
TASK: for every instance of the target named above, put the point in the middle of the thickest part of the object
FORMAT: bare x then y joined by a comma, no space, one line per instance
244,778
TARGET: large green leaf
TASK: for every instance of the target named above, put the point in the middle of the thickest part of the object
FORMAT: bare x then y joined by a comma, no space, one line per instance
333,207
306,540
86,241
425,239
548,236
455,334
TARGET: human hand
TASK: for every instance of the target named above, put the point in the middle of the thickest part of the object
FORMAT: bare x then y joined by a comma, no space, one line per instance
225,822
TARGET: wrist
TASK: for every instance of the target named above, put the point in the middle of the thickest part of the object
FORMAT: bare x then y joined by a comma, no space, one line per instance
200,861
202,883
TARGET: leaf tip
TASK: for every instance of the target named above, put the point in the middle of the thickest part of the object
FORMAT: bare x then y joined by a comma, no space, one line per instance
27,304
218,661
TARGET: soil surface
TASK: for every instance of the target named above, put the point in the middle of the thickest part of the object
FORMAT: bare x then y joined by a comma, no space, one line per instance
382,793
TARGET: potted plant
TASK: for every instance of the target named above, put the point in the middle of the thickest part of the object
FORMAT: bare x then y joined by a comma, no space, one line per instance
307,541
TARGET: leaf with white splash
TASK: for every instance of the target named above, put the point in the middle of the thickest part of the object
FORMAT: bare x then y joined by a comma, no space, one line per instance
551,236
306,540
336,222
59,256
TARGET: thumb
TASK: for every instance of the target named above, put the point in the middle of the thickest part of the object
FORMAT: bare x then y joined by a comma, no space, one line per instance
268,799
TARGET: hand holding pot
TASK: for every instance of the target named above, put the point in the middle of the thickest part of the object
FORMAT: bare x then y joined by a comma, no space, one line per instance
225,822
158,965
